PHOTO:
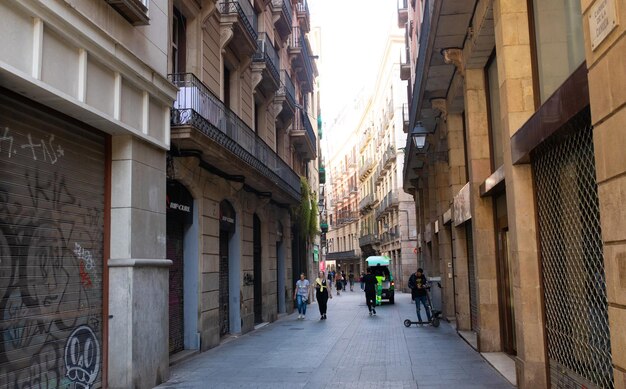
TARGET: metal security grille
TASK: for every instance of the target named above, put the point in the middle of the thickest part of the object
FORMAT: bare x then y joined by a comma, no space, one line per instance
577,326
471,273
175,235
52,180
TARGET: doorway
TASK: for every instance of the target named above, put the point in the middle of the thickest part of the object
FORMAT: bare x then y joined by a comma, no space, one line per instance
257,270
227,230
505,278
280,270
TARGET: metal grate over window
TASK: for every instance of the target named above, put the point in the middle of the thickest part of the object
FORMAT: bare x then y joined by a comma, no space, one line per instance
579,347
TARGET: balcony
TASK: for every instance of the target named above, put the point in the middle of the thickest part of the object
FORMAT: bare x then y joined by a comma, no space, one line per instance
365,138
346,217
265,65
405,65
403,13
366,168
203,127
388,204
303,136
283,19
369,239
301,59
135,11
285,101
304,17
366,203
342,255
238,27
388,157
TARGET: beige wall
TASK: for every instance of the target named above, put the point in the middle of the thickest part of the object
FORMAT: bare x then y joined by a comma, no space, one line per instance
607,91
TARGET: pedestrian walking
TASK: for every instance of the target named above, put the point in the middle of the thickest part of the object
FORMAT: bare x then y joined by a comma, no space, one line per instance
419,292
351,279
338,283
331,277
370,282
361,280
301,295
321,294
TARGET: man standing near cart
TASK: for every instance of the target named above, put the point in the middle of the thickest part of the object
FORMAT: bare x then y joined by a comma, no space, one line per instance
419,292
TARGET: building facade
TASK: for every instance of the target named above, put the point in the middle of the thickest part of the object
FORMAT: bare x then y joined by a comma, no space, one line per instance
154,158
513,162
85,106
243,157
387,220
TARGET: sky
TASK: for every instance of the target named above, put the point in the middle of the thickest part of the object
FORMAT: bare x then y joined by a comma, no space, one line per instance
353,34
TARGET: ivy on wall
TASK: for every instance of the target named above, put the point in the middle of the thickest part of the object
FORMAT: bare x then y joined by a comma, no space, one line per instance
306,212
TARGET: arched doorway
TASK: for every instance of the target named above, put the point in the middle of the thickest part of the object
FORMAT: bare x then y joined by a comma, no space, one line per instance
280,269
227,231
258,273
182,250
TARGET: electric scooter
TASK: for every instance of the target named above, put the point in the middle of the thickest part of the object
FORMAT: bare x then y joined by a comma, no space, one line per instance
434,320
434,315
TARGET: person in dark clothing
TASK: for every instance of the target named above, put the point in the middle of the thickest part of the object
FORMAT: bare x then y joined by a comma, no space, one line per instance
370,282
419,292
321,294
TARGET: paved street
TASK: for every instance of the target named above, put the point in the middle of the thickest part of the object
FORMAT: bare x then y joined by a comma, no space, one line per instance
349,350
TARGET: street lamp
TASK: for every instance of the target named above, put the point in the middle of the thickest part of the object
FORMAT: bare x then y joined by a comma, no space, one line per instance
419,135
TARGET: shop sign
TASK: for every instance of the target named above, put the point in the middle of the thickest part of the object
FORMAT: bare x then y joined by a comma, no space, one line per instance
462,211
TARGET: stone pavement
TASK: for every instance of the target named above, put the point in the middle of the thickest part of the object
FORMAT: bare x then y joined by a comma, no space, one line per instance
349,350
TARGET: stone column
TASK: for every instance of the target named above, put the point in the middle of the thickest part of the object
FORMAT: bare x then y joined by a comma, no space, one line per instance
138,355
477,138
607,93
457,178
516,96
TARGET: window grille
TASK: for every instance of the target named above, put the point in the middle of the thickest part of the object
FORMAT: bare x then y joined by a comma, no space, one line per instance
577,329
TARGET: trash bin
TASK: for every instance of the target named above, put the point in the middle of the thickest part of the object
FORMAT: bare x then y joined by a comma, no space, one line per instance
435,293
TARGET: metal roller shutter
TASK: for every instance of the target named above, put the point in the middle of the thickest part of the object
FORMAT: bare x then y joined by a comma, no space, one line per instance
52,189
473,287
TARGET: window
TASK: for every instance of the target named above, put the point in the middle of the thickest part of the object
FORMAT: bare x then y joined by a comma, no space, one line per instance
559,42
495,122
178,42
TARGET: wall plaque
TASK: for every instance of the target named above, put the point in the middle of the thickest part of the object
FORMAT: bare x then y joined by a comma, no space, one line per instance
602,21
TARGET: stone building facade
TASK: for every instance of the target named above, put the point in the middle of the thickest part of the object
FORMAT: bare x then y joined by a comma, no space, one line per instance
517,185
243,138
85,105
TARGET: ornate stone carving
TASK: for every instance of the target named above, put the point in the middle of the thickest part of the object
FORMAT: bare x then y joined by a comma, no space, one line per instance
455,57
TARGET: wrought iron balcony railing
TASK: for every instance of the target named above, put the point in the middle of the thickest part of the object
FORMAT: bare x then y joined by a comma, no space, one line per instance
297,41
246,13
342,255
403,13
196,106
369,239
266,52
287,10
287,88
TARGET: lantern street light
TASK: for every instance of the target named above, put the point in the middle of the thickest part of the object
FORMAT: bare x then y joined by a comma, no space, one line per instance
419,135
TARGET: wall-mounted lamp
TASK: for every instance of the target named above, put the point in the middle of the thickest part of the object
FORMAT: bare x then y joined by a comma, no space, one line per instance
419,135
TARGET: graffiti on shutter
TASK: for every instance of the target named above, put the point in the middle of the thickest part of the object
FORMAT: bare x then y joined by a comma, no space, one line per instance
51,248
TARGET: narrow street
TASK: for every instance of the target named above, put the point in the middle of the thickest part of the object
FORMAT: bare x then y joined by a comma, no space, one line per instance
349,350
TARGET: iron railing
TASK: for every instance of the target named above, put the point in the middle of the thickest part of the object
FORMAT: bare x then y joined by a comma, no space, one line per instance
298,40
369,239
303,123
267,53
367,167
287,9
246,13
287,88
303,8
342,255
196,106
